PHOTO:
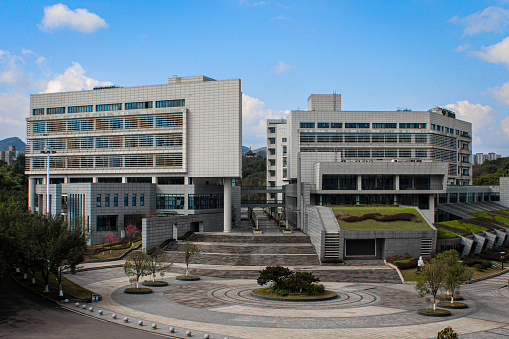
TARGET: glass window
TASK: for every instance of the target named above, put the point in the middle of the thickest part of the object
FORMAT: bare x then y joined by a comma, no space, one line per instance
272,129
126,199
323,125
170,180
142,199
307,137
55,110
205,201
272,141
98,200
357,125
421,138
108,107
413,125
138,105
170,201
106,200
169,120
134,200
106,223
170,103
405,153
284,140
80,109
272,151
115,200
385,125
272,162
38,111
307,125
336,125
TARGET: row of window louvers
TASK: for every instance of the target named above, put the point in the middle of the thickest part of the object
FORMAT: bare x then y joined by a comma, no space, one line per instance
436,140
109,107
375,125
438,154
164,140
126,161
101,124
195,201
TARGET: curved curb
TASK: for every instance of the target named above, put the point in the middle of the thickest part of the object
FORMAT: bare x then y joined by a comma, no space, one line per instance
127,291
427,314
457,307
152,284
187,279
334,296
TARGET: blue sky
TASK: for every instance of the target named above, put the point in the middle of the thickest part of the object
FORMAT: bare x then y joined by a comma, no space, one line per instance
380,55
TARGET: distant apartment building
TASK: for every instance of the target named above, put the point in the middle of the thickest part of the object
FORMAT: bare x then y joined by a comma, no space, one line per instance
121,153
10,155
334,157
480,158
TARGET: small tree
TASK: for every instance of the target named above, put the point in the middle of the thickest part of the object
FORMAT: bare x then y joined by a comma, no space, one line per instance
447,333
157,261
431,279
300,282
137,265
455,272
275,275
191,251
110,239
131,231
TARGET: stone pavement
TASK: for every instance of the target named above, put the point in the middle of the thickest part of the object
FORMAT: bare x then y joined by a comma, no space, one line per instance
226,307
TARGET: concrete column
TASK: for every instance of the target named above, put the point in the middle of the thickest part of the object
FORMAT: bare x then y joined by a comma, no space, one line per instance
227,205
396,179
31,194
124,180
154,180
359,182
94,180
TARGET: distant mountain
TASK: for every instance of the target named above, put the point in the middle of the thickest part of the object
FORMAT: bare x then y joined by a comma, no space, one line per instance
263,149
245,149
14,141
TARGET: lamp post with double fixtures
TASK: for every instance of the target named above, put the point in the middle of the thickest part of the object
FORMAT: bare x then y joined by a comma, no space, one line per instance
47,151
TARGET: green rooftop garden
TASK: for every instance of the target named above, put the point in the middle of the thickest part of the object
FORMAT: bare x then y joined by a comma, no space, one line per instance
483,221
381,218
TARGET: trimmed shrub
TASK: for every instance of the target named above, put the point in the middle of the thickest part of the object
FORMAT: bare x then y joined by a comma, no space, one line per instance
478,267
447,333
486,264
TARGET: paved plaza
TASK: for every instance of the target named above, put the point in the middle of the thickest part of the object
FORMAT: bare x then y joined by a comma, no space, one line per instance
226,308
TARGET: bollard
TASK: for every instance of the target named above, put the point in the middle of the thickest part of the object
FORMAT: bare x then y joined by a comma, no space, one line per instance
140,322
66,301
188,333
77,304
91,309
100,312
84,307
154,326
206,336
126,319
114,316
172,329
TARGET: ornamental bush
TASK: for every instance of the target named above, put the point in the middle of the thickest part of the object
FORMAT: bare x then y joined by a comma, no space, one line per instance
285,282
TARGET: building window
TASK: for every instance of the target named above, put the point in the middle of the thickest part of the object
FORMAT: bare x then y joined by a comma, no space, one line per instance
307,137
307,125
405,153
80,109
272,129
272,173
272,141
134,200
169,120
98,200
272,151
421,138
138,105
357,125
285,173
336,125
205,201
323,125
170,103
38,111
126,199
385,125
284,140
170,180
414,125
272,162
142,199
284,150
170,201
106,223
377,182
106,200
55,110
405,138
115,200
108,107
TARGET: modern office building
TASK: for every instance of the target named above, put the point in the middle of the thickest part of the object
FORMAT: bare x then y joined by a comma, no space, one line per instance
335,157
116,154
480,158
10,155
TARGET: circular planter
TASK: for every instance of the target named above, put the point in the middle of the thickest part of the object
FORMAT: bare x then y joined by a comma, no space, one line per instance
134,290
454,305
328,295
187,277
156,283
447,297
429,312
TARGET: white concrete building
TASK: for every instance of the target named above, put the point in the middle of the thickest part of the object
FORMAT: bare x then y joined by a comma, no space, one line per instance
172,149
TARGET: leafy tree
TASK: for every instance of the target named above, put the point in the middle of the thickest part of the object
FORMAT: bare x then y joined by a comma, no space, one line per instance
300,282
157,261
191,251
431,279
455,272
71,252
110,239
131,231
137,265
275,275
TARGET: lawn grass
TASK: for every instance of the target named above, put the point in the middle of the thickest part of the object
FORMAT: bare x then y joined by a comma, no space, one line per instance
370,224
92,255
411,275
464,226
445,234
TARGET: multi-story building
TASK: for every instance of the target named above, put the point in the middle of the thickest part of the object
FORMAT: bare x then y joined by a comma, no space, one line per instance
117,154
480,158
366,157
10,155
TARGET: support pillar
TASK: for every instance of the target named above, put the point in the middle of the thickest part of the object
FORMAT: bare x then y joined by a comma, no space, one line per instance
31,194
227,221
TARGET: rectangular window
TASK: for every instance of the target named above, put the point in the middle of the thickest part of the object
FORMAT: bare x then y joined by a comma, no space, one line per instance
169,120
357,125
138,105
284,150
391,138
272,129
272,151
272,141
106,200
55,110
115,200
307,137
405,138
170,103
126,199
272,173
205,201
405,153
323,125
170,201
106,223
170,180
108,107
413,125
272,162
336,125
385,125
133,200
169,160
38,111
363,138
421,138
98,200
421,153
284,140
80,109
307,125
142,199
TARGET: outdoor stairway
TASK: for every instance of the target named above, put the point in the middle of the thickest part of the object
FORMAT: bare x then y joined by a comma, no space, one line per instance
233,255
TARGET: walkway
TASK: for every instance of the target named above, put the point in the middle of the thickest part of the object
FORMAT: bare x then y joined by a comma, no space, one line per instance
225,307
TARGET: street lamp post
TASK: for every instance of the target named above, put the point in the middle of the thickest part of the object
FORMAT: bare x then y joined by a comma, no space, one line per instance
47,151
502,258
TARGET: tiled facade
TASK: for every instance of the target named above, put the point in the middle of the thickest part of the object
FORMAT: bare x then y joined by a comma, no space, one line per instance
176,145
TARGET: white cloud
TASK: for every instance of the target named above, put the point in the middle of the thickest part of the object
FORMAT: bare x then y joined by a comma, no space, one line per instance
463,48
73,79
59,16
14,109
257,3
12,72
501,93
282,67
254,117
497,53
481,117
504,123
491,19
